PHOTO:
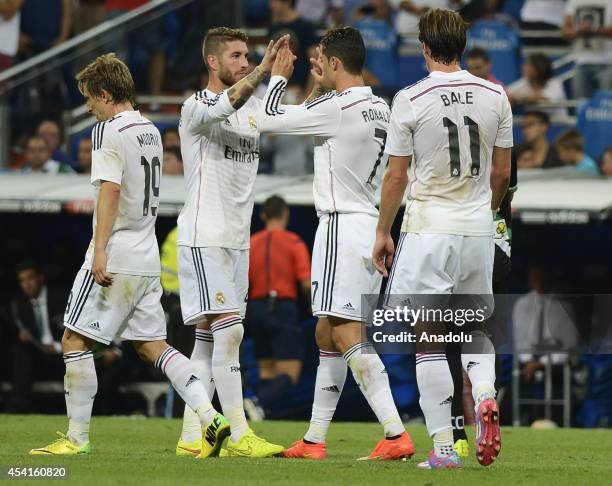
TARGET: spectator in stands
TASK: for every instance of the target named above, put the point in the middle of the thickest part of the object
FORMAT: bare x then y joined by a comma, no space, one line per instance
170,136
44,24
50,131
84,155
149,37
606,162
321,13
38,316
374,23
538,85
38,158
542,324
588,24
9,31
542,14
486,10
478,63
173,161
570,145
89,13
279,263
286,20
536,152
409,12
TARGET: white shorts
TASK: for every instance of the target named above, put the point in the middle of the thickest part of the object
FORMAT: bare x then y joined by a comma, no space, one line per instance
212,280
342,266
442,264
130,308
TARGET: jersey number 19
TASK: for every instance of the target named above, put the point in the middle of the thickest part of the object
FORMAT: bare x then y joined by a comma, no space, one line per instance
152,179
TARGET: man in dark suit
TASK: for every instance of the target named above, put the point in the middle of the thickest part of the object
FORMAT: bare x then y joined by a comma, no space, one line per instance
37,315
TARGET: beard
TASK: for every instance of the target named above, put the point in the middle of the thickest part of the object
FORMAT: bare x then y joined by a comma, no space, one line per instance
228,78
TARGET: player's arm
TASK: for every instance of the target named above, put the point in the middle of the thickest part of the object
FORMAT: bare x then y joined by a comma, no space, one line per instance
106,171
319,117
203,111
392,192
399,147
106,214
500,163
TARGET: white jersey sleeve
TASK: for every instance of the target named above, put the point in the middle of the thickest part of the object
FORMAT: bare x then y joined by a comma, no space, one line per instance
202,110
315,118
401,126
107,161
504,137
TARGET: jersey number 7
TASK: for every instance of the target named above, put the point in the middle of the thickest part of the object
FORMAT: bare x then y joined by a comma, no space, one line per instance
152,179
453,146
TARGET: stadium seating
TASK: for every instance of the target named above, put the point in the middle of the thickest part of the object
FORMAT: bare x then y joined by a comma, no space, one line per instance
595,122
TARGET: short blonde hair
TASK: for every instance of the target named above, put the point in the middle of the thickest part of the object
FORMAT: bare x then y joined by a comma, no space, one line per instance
108,73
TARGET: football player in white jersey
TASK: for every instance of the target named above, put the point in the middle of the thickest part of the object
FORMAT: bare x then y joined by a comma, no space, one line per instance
349,126
117,291
220,148
449,139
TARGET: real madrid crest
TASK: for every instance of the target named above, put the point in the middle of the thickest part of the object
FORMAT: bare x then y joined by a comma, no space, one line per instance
252,123
220,298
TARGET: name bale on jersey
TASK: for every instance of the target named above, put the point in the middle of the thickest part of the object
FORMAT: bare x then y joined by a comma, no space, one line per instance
375,115
466,98
148,139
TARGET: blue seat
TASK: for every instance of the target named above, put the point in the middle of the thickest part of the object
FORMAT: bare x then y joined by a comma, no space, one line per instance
595,123
502,42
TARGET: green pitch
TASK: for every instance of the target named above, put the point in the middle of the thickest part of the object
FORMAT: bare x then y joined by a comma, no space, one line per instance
141,451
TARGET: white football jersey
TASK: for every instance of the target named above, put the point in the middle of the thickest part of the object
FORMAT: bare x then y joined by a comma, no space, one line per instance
127,150
220,149
449,123
350,130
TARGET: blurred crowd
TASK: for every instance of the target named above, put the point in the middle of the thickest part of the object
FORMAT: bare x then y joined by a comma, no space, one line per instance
164,54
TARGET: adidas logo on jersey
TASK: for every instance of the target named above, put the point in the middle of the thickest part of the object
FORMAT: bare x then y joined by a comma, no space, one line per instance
447,401
471,364
348,306
94,325
192,379
332,388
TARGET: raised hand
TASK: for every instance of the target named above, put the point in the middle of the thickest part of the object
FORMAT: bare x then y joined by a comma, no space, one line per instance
317,67
272,51
283,66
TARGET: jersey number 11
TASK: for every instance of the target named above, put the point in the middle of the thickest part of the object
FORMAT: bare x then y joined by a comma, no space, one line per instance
453,146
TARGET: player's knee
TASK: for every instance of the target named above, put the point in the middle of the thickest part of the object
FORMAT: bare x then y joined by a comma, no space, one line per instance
323,338
232,336
72,341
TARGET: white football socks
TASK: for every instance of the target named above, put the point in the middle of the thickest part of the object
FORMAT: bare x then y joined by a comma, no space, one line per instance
436,390
80,388
228,334
371,376
480,366
201,360
181,374
331,375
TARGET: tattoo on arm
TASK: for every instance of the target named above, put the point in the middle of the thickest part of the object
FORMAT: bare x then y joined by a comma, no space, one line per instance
315,93
243,89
